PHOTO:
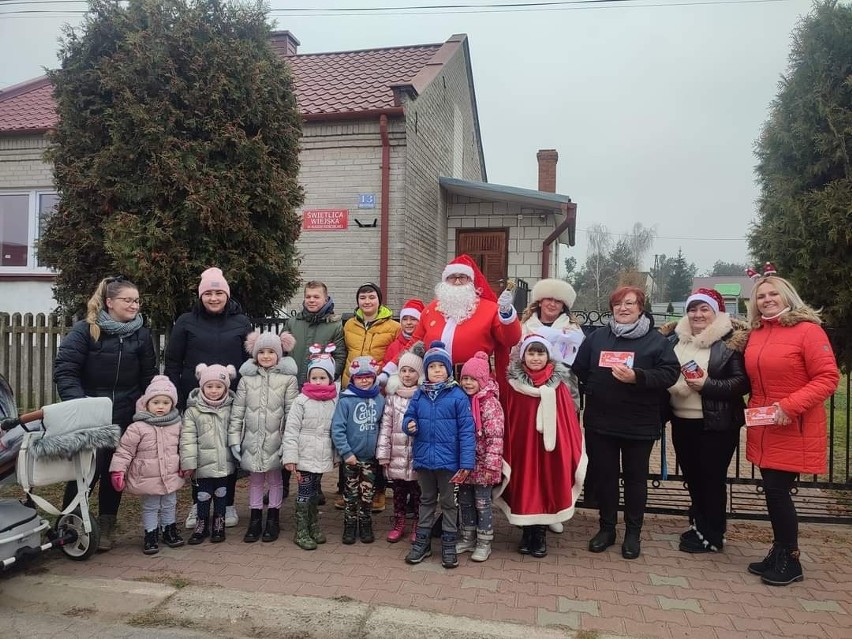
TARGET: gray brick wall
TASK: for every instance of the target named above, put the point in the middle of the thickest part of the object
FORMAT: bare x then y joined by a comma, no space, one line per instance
22,165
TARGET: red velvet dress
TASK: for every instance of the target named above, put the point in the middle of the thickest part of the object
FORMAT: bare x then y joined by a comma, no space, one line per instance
540,486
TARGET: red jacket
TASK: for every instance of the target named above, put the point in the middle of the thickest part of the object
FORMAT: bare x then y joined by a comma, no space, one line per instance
790,361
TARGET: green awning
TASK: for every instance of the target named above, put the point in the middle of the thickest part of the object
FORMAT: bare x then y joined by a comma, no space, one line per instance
729,290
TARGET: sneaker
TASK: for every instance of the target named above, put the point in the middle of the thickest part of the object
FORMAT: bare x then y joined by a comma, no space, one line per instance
557,527
482,550
231,518
192,517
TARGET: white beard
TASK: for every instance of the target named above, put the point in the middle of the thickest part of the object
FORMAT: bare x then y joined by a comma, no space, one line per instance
456,302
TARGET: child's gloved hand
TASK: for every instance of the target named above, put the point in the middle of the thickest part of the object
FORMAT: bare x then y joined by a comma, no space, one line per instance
382,379
186,474
235,451
117,480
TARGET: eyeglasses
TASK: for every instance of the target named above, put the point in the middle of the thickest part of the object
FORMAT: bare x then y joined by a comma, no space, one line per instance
457,277
625,304
129,300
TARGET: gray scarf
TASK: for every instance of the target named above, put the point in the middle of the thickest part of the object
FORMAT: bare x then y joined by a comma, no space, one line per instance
121,329
637,329
170,418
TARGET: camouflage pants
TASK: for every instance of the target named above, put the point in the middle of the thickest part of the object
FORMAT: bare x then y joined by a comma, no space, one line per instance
359,487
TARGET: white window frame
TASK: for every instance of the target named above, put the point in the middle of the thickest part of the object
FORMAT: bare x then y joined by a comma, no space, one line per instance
32,267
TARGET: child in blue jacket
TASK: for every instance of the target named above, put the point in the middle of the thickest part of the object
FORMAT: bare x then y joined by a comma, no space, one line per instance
355,433
440,421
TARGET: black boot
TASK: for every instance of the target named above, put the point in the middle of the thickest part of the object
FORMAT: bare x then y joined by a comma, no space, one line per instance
217,532
201,531
171,536
538,545
760,567
273,527
604,538
526,540
255,526
631,547
422,546
321,499
365,527
285,476
787,568
350,530
449,558
151,546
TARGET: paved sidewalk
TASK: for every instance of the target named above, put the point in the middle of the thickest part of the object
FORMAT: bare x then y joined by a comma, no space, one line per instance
664,593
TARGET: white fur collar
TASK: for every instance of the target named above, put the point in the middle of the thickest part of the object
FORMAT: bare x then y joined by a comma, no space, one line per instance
286,365
720,327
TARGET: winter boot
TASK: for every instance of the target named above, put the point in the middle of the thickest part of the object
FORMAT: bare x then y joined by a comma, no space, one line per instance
365,527
604,538
398,531
201,531
379,501
313,511
449,558
787,569
303,537
413,536
483,546
217,533
350,530
106,524
526,540
538,544
631,547
151,547
760,567
171,536
422,546
255,526
273,526
467,541
321,499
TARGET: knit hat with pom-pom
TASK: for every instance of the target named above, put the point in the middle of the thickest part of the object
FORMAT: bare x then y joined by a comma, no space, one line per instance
438,353
281,344
413,358
215,373
478,367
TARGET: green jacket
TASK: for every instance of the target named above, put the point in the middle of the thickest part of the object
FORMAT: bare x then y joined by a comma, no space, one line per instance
313,328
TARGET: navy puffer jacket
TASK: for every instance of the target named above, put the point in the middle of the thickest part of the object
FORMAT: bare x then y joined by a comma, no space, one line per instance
445,437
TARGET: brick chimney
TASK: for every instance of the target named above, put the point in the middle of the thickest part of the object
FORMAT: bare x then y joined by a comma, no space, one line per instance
547,159
284,43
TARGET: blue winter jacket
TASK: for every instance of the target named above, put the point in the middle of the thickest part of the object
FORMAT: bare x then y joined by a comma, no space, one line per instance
445,437
355,425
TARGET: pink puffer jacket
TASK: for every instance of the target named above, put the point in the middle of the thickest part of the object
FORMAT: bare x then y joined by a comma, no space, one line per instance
489,438
148,455
394,446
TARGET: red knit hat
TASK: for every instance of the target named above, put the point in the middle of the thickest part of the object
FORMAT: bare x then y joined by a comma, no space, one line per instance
709,296
465,265
478,367
412,308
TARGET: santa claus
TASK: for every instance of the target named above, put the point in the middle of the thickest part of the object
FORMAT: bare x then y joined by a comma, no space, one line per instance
467,317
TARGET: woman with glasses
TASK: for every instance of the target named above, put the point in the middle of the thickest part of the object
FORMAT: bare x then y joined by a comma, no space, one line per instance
108,354
624,370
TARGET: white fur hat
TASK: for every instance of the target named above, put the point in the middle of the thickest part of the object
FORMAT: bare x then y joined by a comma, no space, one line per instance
557,289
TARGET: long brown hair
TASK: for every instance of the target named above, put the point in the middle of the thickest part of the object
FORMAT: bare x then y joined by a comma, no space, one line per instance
109,287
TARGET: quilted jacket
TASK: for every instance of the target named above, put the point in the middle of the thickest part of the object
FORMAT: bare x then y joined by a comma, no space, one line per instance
445,438
148,455
307,437
394,447
373,341
204,437
489,439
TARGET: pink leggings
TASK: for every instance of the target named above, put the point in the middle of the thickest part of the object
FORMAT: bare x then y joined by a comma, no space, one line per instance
276,489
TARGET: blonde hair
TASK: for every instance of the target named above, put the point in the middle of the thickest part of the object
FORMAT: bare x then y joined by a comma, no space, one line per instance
109,287
534,307
788,294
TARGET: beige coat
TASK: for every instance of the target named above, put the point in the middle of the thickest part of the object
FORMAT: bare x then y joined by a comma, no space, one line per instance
307,438
204,438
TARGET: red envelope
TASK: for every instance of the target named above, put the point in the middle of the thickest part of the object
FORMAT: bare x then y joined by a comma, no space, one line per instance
608,359
760,416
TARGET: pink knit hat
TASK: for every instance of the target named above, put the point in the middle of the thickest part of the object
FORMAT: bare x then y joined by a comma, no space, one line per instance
215,373
160,386
213,280
281,344
478,367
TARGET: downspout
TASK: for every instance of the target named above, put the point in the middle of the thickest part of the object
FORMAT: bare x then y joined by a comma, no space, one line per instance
570,211
384,230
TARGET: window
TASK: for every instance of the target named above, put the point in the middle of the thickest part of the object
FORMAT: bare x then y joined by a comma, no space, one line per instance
22,218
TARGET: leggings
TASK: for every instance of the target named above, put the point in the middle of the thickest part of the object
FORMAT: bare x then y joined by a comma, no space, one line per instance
777,485
475,508
214,488
309,484
158,510
230,486
256,485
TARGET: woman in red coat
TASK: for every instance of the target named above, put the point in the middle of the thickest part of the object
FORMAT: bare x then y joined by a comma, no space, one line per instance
792,368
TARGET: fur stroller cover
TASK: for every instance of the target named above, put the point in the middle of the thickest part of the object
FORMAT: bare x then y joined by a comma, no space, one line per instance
73,426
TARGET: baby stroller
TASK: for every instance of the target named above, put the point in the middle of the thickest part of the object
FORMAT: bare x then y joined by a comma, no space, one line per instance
51,445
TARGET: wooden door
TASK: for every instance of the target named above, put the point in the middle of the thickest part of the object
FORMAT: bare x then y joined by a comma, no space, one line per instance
489,248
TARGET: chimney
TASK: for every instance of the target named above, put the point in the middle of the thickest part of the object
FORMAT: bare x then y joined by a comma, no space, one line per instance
547,159
284,43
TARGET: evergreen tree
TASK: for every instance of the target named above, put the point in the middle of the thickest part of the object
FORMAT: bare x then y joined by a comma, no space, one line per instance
804,221
680,278
176,149
721,268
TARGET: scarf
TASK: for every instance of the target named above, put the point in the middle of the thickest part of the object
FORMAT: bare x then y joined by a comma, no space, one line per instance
545,417
169,419
433,388
319,316
121,329
319,392
637,329
369,392
406,392
202,397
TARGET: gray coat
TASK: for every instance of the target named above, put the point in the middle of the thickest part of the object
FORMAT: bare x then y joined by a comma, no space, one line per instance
204,437
260,409
307,438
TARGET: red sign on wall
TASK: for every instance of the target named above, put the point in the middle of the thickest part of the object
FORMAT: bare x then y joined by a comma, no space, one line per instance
325,220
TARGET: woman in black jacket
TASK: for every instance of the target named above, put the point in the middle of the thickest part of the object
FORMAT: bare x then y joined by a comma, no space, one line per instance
108,354
213,332
707,410
624,370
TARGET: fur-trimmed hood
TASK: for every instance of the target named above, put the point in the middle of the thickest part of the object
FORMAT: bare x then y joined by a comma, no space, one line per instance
732,332
791,318
286,365
518,373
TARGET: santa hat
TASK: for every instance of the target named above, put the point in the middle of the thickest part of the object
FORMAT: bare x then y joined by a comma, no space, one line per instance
557,289
412,308
438,353
213,280
160,386
536,339
478,367
413,358
215,373
322,359
464,265
710,297
281,344
364,365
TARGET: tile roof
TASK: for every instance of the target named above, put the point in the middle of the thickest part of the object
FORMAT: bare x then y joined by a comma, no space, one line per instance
326,83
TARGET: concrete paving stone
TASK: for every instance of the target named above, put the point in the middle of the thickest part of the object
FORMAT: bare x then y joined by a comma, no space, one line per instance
566,619
677,631
662,580
564,604
835,632
546,602
662,591
429,566
485,584
665,536
610,625
527,587
545,590
716,608
667,603
746,623
698,620
628,587
637,600
799,629
658,615
500,598
818,616
457,594
626,613
609,596
474,610
526,616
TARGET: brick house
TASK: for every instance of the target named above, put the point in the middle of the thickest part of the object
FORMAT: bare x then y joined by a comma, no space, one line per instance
391,163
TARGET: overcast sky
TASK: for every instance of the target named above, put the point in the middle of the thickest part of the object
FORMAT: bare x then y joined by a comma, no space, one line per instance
654,109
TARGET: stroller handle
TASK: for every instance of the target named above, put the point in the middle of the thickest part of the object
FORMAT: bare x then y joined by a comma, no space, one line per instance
11,422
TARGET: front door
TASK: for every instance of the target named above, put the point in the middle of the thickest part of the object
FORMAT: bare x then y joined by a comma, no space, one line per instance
489,248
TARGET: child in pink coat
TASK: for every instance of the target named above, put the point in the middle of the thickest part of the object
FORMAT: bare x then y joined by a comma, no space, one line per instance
477,527
147,462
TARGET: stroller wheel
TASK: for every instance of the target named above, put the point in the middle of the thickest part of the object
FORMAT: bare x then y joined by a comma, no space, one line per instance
86,543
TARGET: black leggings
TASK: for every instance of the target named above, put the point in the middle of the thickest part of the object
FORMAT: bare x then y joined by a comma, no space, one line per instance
231,487
777,485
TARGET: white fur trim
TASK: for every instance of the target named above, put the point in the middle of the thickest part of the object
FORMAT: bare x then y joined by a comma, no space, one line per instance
409,312
448,335
535,339
456,269
701,297
508,320
557,289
